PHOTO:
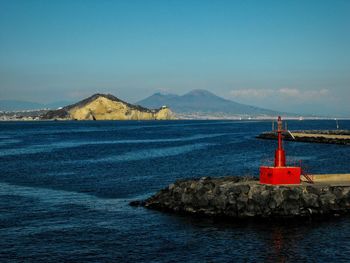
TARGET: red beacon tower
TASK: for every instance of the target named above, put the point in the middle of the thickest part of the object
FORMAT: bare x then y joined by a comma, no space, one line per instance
280,173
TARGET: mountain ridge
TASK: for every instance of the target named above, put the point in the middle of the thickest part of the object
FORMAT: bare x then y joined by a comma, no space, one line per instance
21,105
206,102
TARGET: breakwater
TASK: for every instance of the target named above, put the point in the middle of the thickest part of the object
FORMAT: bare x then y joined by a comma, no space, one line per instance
313,136
237,197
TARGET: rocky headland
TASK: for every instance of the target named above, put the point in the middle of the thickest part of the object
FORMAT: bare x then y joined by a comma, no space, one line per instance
315,136
107,107
237,197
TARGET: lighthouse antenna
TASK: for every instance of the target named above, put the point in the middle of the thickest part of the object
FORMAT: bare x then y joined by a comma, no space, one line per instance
280,156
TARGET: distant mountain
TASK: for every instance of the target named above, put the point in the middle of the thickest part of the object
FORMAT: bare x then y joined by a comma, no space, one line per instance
57,104
205,102
18,105
107,107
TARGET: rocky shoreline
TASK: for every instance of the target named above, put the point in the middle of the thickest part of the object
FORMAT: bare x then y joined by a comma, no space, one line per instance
237,197
314,136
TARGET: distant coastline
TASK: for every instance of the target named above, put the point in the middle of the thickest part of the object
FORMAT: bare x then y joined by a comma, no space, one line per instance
35,115
194,105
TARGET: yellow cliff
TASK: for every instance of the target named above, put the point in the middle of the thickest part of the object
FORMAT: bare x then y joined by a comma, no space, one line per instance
108,107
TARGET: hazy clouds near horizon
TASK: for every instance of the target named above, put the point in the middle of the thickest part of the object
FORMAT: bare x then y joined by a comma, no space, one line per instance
283,55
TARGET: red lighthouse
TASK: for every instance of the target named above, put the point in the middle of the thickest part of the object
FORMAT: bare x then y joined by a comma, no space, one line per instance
280,173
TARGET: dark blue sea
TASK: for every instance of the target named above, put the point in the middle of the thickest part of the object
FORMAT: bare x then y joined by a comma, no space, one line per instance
65,189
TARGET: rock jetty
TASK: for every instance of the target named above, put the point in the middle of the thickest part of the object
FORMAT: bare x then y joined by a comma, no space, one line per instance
237,197
315,136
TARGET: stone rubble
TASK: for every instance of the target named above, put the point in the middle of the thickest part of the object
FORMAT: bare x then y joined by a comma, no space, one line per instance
237,197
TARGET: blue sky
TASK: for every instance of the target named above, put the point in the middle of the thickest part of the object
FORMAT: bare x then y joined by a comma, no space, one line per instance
284,55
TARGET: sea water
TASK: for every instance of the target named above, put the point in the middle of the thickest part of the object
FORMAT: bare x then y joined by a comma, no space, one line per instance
65,189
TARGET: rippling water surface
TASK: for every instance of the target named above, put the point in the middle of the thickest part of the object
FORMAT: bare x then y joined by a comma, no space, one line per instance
65,188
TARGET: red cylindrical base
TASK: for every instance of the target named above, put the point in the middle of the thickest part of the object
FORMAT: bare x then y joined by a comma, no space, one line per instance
280,175
280,158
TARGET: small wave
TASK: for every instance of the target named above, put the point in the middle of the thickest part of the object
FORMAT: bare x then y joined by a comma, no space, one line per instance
150,153
33,149
63,198
9,141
